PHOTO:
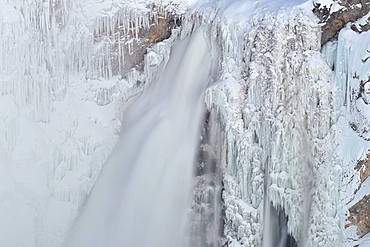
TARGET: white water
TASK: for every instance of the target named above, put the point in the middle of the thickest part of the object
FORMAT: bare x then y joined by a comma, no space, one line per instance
143,193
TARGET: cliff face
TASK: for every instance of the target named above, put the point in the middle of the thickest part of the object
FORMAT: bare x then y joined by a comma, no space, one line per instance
335,16
137,40
359,212
275,102
123,38
290,126
344,27
258,189
359,215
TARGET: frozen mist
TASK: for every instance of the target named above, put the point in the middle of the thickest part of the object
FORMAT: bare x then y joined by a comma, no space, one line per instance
142,196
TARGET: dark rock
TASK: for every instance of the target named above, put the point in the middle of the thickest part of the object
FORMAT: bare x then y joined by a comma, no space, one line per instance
351,11
359,216
362,27
133,42
158,31
363,167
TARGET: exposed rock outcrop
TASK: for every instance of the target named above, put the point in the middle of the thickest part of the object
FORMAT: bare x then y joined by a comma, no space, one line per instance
337,15
363,167
126,42
359,216
158,31
359,213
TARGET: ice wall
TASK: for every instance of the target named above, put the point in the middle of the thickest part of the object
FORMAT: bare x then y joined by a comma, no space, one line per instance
62,93
275,98
351,69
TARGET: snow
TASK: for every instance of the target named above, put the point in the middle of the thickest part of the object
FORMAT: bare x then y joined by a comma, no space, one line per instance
324,2
362,21
361,193
365,241
247,118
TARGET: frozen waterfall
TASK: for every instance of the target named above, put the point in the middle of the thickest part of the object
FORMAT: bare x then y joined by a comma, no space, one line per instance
142,196
277,157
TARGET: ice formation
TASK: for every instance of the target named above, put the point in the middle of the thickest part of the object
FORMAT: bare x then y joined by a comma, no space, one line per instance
351,70
60,108
276,100
142,195
285,123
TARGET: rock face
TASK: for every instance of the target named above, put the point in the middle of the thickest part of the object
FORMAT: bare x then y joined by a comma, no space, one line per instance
158,31
359,216
130,43
363,167
334,20
359,213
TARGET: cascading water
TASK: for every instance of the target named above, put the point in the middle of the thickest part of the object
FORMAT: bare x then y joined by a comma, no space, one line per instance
206,220
143,193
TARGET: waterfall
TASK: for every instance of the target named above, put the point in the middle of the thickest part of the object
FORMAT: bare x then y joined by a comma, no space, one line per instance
277,158
143,194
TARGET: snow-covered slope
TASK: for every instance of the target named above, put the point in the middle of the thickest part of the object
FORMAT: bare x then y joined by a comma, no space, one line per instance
294,117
